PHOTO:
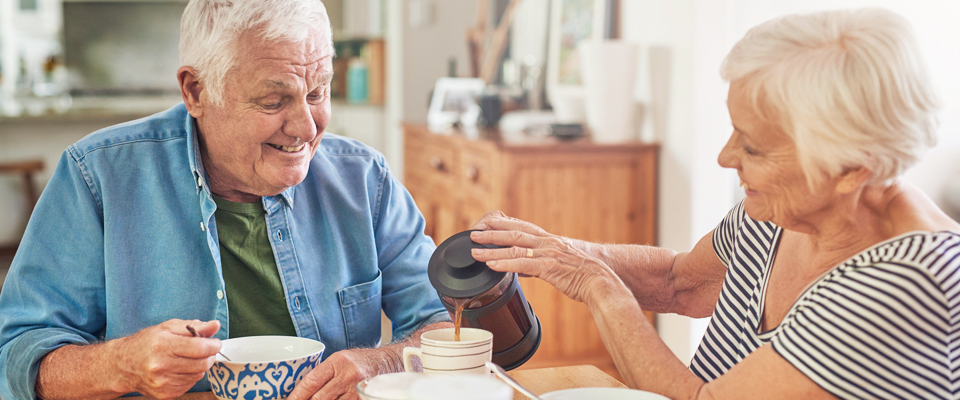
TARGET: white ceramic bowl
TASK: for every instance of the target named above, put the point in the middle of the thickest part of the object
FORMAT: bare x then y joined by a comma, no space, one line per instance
601,393
262,367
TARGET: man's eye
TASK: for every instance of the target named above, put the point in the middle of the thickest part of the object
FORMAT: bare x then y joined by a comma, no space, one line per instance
271,104
749,150
318,95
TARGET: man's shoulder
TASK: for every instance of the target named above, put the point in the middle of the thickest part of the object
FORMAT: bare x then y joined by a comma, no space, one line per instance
340,149
335,145
165,125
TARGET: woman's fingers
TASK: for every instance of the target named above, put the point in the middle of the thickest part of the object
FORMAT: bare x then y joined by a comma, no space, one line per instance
497,220
507,238
505,253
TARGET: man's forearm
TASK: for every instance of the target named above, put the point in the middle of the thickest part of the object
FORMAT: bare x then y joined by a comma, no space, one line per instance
80,372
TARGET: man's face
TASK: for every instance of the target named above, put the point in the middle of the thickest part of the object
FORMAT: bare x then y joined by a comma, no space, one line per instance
275,107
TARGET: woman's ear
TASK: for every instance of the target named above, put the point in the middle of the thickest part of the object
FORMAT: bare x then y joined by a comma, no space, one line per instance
852,178
191,89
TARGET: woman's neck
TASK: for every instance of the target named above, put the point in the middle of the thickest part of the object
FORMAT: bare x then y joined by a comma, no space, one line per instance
872,215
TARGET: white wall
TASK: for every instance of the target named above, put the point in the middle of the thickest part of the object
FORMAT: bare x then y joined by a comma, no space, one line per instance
695,192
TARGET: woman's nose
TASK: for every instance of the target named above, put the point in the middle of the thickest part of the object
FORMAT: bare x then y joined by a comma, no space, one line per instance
728,157
300,123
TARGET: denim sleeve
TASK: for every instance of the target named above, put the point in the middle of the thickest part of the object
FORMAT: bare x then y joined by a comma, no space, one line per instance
404,252
53,294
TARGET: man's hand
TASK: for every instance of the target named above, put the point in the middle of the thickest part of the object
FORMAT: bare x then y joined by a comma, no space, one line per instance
164,361
337,376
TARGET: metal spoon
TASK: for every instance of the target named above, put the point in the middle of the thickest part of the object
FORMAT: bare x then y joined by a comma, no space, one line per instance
502,374
195,334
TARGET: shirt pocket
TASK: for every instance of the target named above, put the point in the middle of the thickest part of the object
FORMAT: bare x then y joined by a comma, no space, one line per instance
360,305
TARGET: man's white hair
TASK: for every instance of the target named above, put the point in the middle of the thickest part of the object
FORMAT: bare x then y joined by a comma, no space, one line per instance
210,31
849,86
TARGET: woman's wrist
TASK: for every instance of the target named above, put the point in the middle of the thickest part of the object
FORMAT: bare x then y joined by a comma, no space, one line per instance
604,288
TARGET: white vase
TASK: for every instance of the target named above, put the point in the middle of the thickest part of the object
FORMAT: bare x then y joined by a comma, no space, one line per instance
609,71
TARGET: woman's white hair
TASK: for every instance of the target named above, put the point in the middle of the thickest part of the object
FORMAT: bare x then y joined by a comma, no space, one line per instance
210,31
849,86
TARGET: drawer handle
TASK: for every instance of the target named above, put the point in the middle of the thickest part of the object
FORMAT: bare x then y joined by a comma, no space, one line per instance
437,163
472,173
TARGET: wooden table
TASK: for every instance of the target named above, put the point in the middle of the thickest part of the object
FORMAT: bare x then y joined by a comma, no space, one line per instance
539,381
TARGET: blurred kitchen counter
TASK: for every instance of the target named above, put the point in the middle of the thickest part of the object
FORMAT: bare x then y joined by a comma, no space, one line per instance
80,109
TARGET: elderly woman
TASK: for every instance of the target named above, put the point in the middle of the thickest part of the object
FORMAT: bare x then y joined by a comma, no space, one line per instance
833,278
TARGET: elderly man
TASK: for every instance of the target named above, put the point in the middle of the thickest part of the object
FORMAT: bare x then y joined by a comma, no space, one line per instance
226,213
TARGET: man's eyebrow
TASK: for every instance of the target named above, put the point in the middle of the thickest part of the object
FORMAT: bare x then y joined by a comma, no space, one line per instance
275,84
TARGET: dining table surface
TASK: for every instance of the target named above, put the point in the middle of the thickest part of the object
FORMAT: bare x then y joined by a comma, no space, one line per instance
537,380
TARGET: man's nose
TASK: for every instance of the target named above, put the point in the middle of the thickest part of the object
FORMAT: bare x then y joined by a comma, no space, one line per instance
299,122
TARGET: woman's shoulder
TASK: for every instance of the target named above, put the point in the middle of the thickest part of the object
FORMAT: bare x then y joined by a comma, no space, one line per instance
925,255
910,209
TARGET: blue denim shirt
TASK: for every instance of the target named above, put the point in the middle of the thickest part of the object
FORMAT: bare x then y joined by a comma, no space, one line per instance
124,237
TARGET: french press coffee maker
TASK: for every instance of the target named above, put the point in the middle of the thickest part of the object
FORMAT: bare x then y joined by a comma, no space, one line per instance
495,301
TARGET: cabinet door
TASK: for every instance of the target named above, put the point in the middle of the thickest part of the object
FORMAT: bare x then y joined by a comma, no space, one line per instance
590,196
430,166
439,211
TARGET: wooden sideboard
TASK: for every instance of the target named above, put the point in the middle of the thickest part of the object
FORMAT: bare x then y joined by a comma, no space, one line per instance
600,193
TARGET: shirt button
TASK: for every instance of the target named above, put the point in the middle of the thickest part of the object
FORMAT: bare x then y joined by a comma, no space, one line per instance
296,301
279,236
220,294
202,227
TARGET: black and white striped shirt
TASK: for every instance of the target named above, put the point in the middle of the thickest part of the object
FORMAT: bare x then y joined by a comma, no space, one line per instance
883,324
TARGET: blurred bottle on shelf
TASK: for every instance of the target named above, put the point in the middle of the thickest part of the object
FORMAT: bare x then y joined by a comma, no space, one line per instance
357,83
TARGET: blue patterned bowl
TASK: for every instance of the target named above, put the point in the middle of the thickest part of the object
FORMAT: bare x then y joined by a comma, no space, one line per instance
262,367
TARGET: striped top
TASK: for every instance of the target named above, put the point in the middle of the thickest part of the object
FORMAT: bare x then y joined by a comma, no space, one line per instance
882,324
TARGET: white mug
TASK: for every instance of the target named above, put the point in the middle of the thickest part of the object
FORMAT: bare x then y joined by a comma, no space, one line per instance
441,355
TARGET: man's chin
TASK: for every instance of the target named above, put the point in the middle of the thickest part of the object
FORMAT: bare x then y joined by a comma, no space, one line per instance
279,184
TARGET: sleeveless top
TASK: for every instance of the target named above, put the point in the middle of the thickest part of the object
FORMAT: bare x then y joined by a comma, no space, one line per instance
883,324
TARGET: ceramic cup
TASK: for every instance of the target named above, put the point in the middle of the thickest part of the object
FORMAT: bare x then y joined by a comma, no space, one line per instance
262,367
460,387
441,355
394,386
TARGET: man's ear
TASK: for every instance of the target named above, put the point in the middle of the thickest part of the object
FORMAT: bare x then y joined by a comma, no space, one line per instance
191,90
852,178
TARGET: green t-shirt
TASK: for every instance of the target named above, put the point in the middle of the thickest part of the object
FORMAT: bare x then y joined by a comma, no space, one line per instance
254,291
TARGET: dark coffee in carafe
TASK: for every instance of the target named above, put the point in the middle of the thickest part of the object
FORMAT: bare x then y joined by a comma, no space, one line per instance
491,300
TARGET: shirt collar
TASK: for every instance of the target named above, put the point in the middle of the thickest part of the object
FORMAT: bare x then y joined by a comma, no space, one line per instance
193,152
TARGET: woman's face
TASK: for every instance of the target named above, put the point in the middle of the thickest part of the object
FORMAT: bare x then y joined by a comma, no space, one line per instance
769,168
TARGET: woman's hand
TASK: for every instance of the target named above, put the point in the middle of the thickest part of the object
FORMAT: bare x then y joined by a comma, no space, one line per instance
529,250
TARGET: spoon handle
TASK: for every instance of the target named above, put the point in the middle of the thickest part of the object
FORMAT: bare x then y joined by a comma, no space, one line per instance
195,334
502,374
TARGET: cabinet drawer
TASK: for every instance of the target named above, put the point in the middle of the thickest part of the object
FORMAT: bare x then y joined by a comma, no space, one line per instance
433,164
478,172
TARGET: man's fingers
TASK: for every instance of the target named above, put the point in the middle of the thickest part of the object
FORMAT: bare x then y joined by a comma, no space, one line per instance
207,329
312,383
